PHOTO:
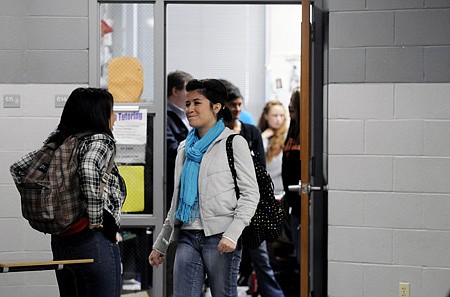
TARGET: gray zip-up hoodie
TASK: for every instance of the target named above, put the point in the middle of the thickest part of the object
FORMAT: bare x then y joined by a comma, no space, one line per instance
220,210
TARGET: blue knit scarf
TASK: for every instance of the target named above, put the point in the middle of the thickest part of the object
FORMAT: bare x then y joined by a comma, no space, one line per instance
188,207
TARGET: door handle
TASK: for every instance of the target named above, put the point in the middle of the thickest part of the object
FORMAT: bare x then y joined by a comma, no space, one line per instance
306,188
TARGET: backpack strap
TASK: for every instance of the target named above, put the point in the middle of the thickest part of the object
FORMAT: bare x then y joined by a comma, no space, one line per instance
105,177
230,158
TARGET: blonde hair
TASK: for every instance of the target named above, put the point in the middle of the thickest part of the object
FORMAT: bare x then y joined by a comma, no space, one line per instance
276,142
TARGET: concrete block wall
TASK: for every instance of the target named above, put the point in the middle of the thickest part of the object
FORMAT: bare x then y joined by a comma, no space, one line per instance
24,129
44,41
388,147
43,53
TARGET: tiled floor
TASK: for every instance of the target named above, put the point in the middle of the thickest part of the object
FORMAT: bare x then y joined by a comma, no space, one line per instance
242,292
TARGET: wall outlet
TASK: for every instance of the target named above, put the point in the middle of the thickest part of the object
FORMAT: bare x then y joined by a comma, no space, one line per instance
403,289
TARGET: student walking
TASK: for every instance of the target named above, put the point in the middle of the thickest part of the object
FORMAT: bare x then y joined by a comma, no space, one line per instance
205,216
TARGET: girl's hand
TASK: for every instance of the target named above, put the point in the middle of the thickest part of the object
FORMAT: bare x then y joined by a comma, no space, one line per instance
156,258
91,226
267,133
226,246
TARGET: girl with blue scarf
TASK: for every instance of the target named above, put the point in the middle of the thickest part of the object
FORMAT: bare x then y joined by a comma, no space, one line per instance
206,218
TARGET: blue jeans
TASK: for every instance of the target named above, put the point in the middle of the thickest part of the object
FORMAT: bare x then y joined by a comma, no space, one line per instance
99,279
196,257
268,286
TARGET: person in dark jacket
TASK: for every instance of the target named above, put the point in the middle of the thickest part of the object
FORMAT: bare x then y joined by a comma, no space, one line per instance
177,123
290,171
177,129
252,259
250,132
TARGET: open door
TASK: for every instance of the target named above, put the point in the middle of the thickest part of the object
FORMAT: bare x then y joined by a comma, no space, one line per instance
312,187
305,151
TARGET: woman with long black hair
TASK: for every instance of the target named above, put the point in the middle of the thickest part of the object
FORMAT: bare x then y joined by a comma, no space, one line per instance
88,113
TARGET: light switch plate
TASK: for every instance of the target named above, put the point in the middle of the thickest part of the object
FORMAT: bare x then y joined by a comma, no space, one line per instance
11,101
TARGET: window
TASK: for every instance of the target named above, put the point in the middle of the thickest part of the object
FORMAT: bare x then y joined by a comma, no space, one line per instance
126,31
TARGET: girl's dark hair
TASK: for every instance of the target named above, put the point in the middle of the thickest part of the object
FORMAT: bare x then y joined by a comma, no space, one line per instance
86,110
215,92
232,91
294,126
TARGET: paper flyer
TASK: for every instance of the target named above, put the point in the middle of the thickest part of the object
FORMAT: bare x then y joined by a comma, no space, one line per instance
130,132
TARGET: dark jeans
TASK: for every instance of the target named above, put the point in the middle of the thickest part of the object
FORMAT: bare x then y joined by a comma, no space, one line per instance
295,223
268,285
99,279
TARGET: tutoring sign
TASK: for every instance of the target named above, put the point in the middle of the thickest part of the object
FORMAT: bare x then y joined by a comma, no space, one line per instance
130,132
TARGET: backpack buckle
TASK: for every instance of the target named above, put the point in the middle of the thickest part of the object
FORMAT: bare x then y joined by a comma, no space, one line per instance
105,177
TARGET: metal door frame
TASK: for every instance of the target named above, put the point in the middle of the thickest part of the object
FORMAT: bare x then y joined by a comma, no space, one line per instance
318,170
318,257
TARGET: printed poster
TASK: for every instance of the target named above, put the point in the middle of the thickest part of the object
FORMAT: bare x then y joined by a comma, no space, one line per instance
130,132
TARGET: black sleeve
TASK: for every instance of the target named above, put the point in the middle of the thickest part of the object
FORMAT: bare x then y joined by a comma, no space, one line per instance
253,136
172,141
176,132
259,147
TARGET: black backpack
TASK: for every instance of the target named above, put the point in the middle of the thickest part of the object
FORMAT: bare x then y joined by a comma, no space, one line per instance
267,223
47,180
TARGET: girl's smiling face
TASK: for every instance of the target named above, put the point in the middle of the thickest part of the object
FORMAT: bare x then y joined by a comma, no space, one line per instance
200,113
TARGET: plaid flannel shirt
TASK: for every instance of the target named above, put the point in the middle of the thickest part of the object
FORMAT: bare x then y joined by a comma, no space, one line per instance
94,154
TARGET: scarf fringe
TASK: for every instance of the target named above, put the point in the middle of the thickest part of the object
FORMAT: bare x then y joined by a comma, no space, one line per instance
186,213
